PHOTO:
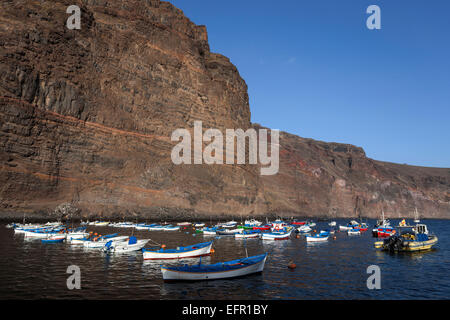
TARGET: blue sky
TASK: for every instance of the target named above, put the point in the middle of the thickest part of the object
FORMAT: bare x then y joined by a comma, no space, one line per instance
315,70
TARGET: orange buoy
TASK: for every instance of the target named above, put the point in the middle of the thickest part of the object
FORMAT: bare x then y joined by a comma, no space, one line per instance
297,236
163,246
212,251
292,265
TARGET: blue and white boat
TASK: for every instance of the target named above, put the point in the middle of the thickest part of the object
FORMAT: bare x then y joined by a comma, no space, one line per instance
318,237
209,231
195,250
132,244
248,234
283,234
170,228
221,270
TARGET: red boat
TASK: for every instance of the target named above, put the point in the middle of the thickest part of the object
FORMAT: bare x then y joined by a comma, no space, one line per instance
298,223
264,228
382,232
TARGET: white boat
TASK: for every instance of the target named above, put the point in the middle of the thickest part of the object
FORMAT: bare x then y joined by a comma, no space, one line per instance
170,228
349,226
276,235
252,223
76,235
353,232
304,229
183,224
221,270
196,250
319,237
132,244
229,224
156,228
247,235
101,243
332,224
199,225
209,231
101,223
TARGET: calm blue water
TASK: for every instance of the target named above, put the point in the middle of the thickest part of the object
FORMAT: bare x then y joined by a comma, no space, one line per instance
332,270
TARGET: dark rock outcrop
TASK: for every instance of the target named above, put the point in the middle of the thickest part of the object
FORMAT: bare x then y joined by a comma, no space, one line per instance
86,117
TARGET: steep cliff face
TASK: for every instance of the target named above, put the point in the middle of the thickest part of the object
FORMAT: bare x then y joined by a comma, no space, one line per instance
338,180
86,117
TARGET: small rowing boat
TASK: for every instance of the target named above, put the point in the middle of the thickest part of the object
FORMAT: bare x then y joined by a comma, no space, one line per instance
209,231
319,237
354,232
170,228
221,270
277,235
195,250
248,234
228,232
125,246
304,229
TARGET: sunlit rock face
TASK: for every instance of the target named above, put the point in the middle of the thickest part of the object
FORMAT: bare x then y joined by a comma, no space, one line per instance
86,118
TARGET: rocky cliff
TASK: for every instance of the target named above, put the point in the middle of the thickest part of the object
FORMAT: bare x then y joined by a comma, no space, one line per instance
86,117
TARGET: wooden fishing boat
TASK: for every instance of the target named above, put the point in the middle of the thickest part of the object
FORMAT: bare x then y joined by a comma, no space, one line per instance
417,239
277,235
100,242
133,244
170,228
384,231
352,224
209,231
354,232
319,237
228,232
248,234
101,223
265,227
54,239
199,225
298,223
195,250
304,229
222,270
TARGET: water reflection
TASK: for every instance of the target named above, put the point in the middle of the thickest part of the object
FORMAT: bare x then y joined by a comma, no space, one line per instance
334,269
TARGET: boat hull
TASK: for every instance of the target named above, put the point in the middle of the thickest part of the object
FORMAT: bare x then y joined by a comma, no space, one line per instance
154,255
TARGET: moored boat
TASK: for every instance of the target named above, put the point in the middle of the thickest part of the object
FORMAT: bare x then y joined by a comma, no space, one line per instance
354,232
133,244
416,239
277,235
195,250
221,270
318,237
228,232
248,234
304,229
